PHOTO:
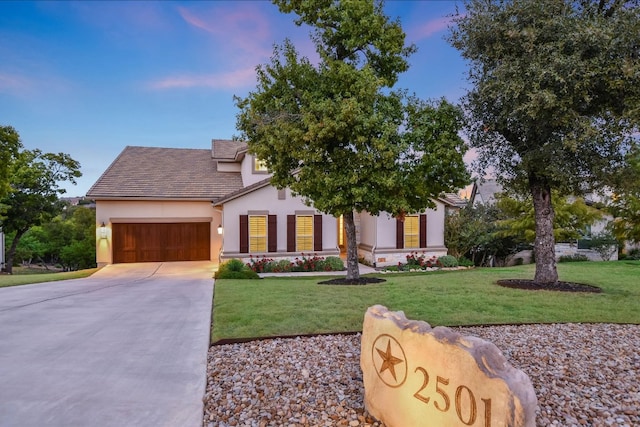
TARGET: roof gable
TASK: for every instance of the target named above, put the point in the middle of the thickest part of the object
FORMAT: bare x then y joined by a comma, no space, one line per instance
227,150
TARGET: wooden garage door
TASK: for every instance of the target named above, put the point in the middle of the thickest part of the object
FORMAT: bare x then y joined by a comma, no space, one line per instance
188,241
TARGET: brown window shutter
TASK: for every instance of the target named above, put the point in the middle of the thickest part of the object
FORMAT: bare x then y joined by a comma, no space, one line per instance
291,233
423,231
317,232
399,234
244,234
272,233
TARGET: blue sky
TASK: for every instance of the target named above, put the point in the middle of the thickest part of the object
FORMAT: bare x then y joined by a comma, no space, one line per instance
89,78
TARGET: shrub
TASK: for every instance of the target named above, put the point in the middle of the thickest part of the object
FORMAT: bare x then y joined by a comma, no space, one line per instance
235,269
307,263
465,262
333,263
232,265
281,266
634,254
260,264
573,258
448,261
415,260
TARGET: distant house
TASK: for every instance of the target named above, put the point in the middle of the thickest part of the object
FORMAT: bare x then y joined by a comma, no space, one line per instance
170,204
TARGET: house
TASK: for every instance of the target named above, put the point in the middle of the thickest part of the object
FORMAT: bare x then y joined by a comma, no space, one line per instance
170,204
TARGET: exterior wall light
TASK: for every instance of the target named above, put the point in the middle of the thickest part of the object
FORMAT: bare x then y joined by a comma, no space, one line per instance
220,229
103,231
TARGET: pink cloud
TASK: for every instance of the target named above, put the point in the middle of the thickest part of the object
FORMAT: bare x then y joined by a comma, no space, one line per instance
243,30
429,28
228,80
11,83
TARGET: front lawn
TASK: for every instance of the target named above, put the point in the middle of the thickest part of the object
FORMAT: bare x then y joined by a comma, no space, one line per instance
24,276
277,306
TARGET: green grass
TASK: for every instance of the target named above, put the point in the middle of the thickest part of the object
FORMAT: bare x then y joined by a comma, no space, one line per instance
298,305
23,276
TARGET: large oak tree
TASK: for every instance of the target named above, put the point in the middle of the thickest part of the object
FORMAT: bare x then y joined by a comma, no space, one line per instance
337,134
555,97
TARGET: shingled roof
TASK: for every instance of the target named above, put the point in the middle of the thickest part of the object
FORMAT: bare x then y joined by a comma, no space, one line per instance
165,173
225,149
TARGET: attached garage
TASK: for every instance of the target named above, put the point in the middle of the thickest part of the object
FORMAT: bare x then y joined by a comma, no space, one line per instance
161,242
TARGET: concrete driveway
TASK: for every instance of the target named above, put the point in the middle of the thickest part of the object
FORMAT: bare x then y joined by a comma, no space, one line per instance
124,347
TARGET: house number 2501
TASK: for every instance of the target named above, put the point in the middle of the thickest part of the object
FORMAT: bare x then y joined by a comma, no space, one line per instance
442,402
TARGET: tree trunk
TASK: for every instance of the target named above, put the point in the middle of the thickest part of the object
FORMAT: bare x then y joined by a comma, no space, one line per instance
353,270
12,251
546,271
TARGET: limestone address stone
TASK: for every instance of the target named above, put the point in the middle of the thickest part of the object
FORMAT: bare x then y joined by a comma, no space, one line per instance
415,375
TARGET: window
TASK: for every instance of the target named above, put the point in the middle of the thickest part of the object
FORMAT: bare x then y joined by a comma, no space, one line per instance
304,233
258,233
411,232
259,165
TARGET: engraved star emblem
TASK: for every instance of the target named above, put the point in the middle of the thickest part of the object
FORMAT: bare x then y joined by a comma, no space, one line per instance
389,361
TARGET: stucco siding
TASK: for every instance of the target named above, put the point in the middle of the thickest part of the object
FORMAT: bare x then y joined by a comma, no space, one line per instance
249,176
435,225
112,211
265,201
383,229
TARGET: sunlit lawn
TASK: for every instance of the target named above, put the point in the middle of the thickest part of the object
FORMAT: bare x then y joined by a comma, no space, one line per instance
23,276
298,305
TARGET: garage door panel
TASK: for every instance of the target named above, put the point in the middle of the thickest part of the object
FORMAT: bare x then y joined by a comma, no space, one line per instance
153,242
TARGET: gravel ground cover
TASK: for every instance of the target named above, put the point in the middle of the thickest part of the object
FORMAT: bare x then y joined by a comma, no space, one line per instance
583,375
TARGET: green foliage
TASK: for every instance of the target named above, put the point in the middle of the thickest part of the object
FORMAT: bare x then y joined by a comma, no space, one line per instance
10,145
573,258
31,247
333,263
605,244
306,262
465,262
235,269
571,73
473,231
570,219
68,240
625,204
555,98
336,133
416,261
448,261
35,179
633,254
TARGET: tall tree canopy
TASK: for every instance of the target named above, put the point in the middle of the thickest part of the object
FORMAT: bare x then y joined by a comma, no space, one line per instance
555,97
337,134
10,145
34,179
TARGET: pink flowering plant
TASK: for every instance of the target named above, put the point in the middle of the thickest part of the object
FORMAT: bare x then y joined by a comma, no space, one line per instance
417,261
305,262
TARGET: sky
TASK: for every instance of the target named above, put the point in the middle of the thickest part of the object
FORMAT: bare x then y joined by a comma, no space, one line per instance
89,78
